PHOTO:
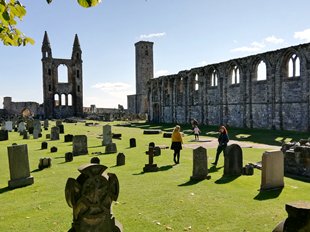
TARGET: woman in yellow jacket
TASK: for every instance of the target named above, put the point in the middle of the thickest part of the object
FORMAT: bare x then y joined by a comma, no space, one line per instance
176,144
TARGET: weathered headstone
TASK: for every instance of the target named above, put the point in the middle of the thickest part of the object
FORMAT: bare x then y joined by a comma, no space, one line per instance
80,145
68,156
298,218
152,144
200,164
233,160
100,189
21,127
61,129
167,135
151,132
48,136
106,135
8,125
53,149
36,128
272,170
116,136
29,126
110,148
68,138
120,159
157,151
45,124
44,145
58,122
132,142
45,163
19,166
55,133
25,135
4,135
95,160
248,170
150,167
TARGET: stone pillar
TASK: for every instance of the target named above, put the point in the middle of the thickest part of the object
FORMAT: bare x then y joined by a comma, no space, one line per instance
106,135
272,170
19,166
233,160
200,164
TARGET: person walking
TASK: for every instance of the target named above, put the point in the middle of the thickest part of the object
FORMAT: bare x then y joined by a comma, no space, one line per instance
176,144
196,132
223,139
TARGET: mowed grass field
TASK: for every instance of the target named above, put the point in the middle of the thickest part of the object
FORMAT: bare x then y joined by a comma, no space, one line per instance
148,202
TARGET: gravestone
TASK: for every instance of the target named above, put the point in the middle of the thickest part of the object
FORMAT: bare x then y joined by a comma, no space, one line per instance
106,135
68,138
4,135
45,163
298,218
120,159
80,145
44,145
95,160
110,148
157,151
48,136
100,189
21,127
233,160
25,135
53,149
55,133
200,164
152,144
36,128
68,156
151,132
29,126
8,125
150,167
248,170
167,135
116,136
58,122
61,129
132,143
272,170
45,124
19,166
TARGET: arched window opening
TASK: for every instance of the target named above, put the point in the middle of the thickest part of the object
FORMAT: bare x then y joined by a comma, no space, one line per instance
261,71
235,75
69,100
77,55
56,100
49,88
49,72
63,99
62,73
78,88
196,82
293,66
78,73
214,78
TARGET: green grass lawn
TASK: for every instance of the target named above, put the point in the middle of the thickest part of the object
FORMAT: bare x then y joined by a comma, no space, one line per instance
148,201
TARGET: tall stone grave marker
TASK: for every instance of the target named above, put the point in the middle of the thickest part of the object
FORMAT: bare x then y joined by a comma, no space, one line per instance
21,127
120,159
150,167
36,128
79,145
272,170
233,160
200,164
45,124
19,166
100,189
106,135
4,135
30,126
61,129
132,143
55,133
8,125
58,122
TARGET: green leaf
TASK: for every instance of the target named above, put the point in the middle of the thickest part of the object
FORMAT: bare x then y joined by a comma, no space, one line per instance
88,3
48,1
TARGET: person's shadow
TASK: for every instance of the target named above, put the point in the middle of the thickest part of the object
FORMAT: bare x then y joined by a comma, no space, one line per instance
214,169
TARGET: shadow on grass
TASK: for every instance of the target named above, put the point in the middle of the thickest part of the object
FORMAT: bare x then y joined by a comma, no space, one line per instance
5,189
268,194
160,169
36,170
298,178
226,179
214,169
59,157
190,182
95,146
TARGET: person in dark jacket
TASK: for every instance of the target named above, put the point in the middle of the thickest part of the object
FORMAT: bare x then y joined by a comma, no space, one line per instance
223,139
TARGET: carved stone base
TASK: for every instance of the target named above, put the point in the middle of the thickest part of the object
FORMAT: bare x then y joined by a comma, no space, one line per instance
20,182
150,168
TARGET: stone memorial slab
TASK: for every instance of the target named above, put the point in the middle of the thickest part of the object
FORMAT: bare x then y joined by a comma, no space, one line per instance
116,136
150,167
157,151
80,145
110,148
106,135
132,143
44,145
36,128
45,163
167,135
68,156
120,159
25,135
19,166
48,136
21,127
200,164
68,138
4,135
100,189
272,170
53,149
29,126
233,160
55,133
45,124
151,132
58,122
61,129
8,125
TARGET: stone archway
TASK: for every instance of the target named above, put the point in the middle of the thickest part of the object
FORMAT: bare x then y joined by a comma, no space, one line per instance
26,112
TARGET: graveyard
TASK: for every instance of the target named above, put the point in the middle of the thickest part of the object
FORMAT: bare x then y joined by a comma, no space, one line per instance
167,199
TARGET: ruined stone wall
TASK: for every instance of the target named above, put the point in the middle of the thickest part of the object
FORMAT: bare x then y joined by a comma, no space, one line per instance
17,108
238,93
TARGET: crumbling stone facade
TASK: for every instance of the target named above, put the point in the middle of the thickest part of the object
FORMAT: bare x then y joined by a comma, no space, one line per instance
25,109
62,100
267,90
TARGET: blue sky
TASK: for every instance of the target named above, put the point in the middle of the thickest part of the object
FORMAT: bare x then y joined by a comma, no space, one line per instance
186,34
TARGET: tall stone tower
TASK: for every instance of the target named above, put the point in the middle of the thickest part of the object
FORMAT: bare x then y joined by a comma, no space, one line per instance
144,72
62,99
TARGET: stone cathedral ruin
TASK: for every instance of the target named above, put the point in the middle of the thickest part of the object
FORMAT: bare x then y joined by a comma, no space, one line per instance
268,90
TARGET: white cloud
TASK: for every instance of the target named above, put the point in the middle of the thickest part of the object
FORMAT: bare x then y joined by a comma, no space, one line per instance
153,35
159,73
274,40
108,86
303,35
203,63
